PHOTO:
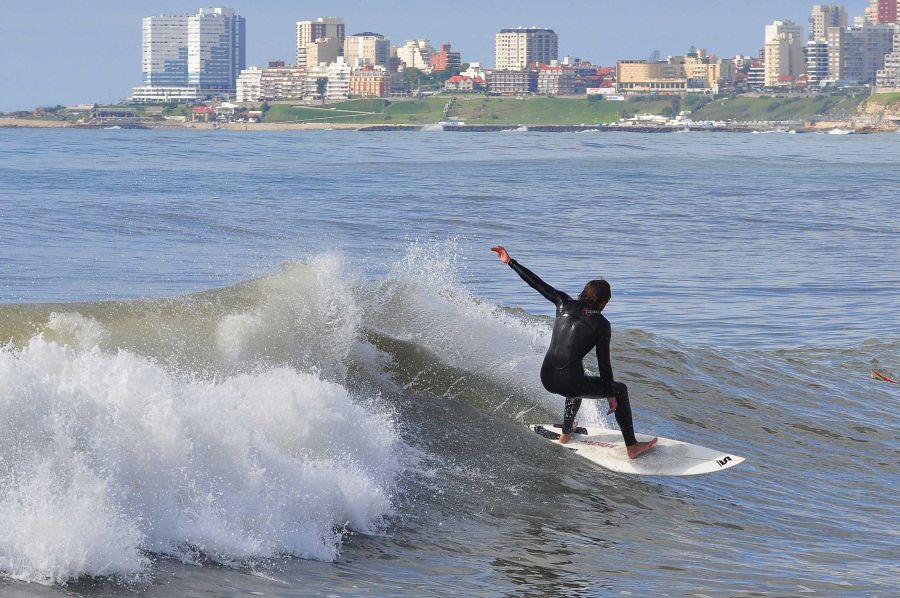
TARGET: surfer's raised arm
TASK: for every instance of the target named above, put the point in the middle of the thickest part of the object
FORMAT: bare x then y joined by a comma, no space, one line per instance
533,280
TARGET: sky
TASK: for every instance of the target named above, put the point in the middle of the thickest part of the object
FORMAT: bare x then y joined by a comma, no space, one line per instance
66,52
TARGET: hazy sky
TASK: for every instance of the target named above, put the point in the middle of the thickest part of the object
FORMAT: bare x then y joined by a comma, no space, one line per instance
63,52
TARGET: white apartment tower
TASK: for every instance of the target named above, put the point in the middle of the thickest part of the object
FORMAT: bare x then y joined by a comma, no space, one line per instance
321,28
783,53
516,49
249,85
372,49
217,49
824,16
164,50
206,52
416,53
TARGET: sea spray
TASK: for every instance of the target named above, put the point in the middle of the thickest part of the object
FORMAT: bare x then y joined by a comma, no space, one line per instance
306,315
105,455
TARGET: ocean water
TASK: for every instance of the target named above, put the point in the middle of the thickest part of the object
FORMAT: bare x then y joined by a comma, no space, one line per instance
287,364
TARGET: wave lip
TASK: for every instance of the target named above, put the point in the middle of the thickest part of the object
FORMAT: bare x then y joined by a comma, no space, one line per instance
106,456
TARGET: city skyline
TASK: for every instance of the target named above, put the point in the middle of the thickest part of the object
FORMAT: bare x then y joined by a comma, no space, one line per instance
94,54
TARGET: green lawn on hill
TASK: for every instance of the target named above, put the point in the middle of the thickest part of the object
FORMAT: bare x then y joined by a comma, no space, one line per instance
375,111
478,109
885,99
542,110
745,108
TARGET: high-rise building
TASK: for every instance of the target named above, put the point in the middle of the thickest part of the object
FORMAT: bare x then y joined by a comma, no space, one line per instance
886,11
816,62
889,76
324,50
310,31
519,48
416,53
825,16
205,51
217,49
783,53
164,50
367,48
856,54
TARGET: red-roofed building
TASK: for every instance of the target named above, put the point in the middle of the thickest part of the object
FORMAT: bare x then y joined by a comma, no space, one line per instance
464,83
202,114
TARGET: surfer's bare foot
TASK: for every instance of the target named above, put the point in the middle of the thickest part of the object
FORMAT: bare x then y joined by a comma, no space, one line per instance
565,438
636,450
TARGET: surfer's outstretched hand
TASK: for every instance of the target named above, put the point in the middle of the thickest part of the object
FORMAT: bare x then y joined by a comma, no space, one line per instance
613,404
501,252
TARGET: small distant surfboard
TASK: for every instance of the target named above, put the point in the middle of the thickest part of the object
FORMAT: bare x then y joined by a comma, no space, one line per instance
606,448
874,375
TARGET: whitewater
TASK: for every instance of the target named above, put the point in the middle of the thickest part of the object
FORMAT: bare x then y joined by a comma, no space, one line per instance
245,374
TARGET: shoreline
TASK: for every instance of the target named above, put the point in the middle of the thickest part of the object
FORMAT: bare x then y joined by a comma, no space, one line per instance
735,127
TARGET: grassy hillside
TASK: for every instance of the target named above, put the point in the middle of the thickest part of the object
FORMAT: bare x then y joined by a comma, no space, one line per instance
534,111
480,109
361,112
885,99
744,108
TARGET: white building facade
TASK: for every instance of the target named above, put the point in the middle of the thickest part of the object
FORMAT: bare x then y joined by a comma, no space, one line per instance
217,49
889,76
309,32
249,85
856,54
516,49
164,50
783,53
417,54
206,51
372,49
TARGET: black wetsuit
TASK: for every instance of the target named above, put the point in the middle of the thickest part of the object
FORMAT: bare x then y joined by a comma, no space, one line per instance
578,329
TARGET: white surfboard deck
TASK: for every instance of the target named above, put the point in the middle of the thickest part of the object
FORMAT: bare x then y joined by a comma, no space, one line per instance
669,457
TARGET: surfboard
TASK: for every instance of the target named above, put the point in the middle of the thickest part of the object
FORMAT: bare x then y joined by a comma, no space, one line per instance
668,457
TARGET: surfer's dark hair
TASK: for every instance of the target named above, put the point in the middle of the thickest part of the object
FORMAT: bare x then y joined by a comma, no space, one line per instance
596,293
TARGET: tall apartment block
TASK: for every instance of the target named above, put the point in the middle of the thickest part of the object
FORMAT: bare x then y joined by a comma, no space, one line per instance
823,16
783,53
518,48
367,48
217,49
184,57
309,32
887,11
889,76
856,54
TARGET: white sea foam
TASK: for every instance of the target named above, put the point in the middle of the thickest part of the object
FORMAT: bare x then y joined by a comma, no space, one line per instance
305,315
104,456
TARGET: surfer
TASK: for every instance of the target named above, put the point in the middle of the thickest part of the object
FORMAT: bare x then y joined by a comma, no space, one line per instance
580,326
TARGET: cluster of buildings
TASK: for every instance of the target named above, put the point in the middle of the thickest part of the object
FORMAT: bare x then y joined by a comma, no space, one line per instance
834,52
190,58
